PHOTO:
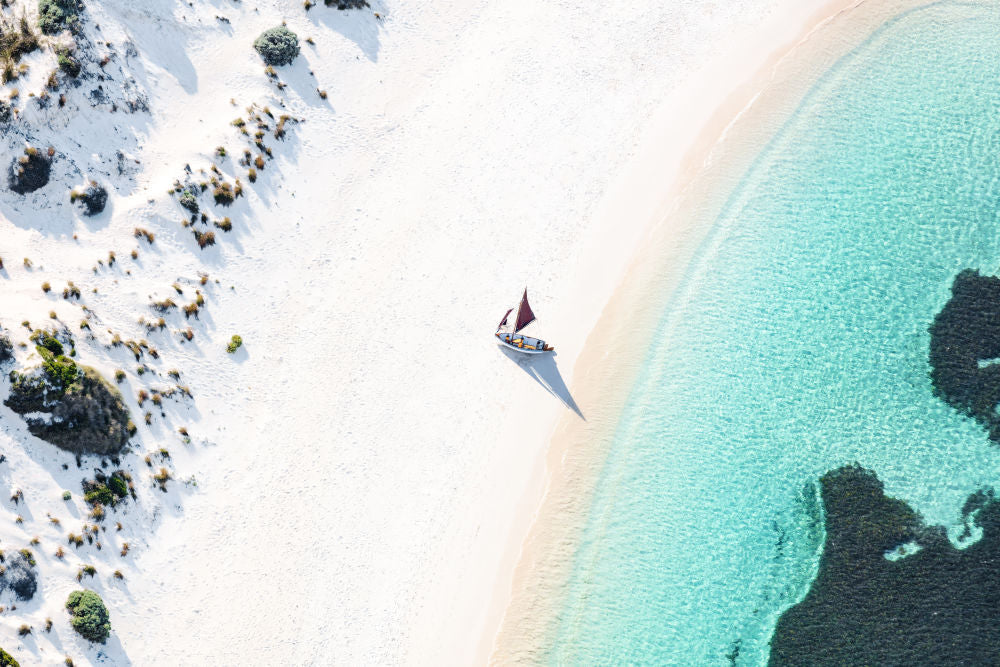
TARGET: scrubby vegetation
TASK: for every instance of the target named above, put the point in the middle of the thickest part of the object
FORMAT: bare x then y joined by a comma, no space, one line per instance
7,660
204,240
189,199
57,15
19,575
224,194
30,171
277,46
107,490
346,4
6,348
15,41
90,616
235,343
68,64
5,111
94,198
86,414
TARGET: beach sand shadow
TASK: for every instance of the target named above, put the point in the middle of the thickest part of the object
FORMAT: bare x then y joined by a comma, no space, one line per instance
544,370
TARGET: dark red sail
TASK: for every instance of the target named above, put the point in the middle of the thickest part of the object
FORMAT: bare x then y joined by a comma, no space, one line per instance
503,322
524,314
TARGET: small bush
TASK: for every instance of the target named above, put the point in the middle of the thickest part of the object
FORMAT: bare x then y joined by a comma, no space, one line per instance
235,343
30,171
140,232
101,495
204,239
90,616
189,199
68,64
6,348
161,478
224,194
94,198
7,660
277,46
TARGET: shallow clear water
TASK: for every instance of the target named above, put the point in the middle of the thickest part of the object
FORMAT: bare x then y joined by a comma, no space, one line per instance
797,343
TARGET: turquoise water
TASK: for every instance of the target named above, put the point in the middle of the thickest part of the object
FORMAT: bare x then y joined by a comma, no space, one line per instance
798,342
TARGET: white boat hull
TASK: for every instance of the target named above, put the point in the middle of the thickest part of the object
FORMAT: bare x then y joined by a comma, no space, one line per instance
523,344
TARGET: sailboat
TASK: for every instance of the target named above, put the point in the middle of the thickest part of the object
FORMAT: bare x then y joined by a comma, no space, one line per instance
515,340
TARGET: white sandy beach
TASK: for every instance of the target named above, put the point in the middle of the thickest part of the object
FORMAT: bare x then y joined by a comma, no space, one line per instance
368,466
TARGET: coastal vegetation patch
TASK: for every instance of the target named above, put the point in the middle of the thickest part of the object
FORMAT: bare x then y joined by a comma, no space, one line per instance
18,574
892,590
30,171
70,405
6,348
57,15
107,490
17,39
965,349
277,46
90,618
93,198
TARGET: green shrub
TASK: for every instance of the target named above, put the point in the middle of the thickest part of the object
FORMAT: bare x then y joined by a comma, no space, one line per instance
6,348
277,46
52,344
101,494
189,199
235,343
90,616
54,15
61,371
7,660
69,64
118,486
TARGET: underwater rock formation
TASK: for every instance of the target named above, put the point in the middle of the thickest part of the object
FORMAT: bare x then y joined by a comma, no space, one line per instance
939,605
965,339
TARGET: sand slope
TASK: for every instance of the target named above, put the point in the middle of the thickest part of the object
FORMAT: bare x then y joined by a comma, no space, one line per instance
367,464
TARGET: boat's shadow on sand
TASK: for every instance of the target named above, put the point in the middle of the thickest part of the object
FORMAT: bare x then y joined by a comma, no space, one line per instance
543,369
